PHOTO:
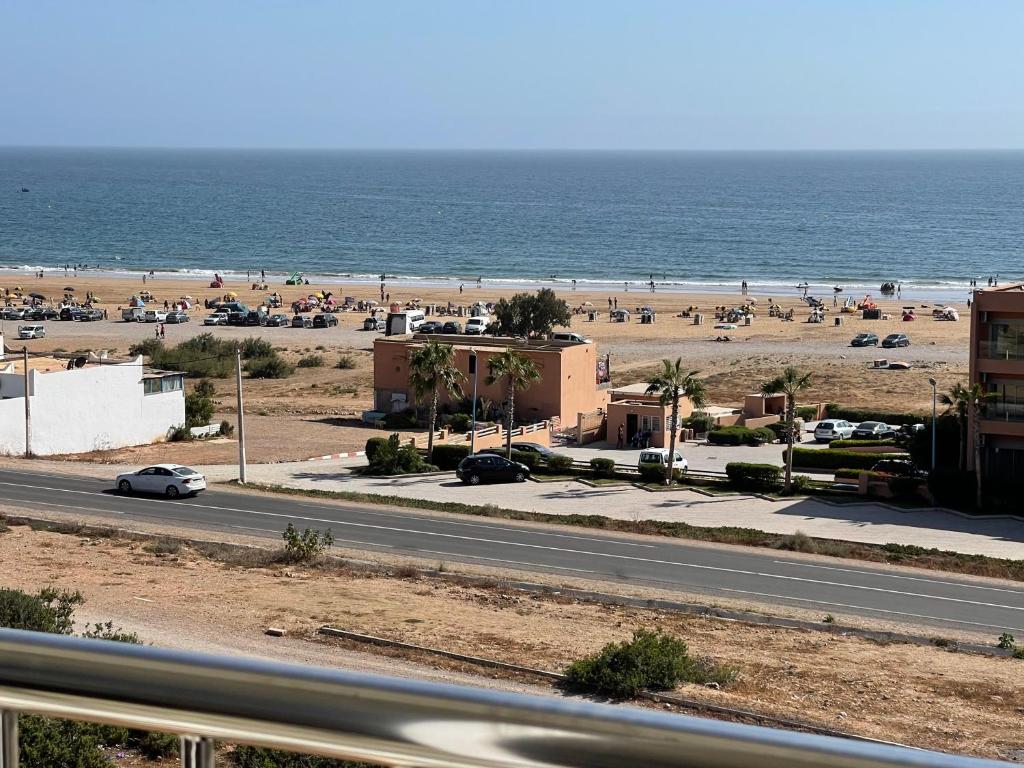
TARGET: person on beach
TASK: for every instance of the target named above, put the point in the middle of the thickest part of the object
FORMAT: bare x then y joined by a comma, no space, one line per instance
574,284
609,303
616,300
143,276
156,333
461,286
626,286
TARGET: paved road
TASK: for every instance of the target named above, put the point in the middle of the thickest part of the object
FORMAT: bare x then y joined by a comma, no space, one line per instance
940,600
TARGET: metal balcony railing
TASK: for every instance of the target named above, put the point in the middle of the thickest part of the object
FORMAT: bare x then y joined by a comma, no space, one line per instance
1002,349
393,722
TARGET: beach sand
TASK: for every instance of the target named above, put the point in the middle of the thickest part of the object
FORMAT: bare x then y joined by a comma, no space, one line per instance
313,412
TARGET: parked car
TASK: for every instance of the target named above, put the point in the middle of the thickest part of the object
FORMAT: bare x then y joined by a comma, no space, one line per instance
864,340
14,313
278,321
431,326
71,313
172,480
542,452
896,340
658,457
90,315
579,338
134,315
898,468
488,468
476,326
217,318
452,326
177,317
155,316
31,332
873,430
301,321
374,324
833,429
253,317
42,313
324,320
237,318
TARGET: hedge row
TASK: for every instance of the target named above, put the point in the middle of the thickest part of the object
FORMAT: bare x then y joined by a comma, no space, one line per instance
810,458
753,476
843,444
836,411
736,435
446,457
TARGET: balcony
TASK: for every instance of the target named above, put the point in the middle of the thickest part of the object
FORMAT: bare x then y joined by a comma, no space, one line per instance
1001,349
392,722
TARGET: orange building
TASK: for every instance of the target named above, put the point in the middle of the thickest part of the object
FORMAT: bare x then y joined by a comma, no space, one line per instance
573,379
997,363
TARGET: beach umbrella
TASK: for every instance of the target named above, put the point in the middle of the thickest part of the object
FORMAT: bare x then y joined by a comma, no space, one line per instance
588,303
37,296
67,288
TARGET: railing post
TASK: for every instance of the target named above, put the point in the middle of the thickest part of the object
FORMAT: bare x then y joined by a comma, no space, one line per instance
8,739
196,752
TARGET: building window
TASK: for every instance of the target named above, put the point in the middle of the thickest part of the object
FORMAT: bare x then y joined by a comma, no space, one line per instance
154,385
151,386
650,423
1008,405
1006,340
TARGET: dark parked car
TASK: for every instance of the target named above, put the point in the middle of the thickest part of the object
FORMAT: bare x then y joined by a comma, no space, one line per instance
41,313
90,315
237,318
542,452
278,321
487,468
374,324
898,468
896,340
873,430
71,313
865,340
254,318
452,326
431,326
177,316
324,320
302,322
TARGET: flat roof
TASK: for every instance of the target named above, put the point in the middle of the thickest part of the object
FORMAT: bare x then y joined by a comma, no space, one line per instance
461,341
40,364
640,388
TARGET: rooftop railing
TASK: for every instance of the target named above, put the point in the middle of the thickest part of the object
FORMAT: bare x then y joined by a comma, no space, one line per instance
393,722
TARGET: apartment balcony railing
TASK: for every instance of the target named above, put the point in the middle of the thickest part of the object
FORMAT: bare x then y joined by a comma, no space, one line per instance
1001,350
382,720
1004,412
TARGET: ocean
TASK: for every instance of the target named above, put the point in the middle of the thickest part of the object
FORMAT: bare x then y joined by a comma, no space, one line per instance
692,220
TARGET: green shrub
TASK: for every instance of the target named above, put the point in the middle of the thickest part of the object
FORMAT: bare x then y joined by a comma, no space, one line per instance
48,610
107,631
307,546
446,457
753,476
699,422
226,428
461,422
346,363
148,348
311,361
256,347
245,756
807,412
179,434
374,444
560,463
602,467
812,458
800,483
844,444
651,661
401,420
856,415
779,428
764,434
1006,641
737,435
799,542
272,366
525,457
198,410
204,388
394,458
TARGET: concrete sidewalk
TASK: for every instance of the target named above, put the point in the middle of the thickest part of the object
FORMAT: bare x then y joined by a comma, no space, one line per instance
867,522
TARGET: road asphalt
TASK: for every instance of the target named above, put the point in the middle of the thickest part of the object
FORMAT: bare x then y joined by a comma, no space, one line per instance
940,600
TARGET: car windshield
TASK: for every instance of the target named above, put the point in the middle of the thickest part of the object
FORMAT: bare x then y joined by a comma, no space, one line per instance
870,425
650,458
184,471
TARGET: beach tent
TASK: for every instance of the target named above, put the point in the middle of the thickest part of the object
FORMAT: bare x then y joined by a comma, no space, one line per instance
294,279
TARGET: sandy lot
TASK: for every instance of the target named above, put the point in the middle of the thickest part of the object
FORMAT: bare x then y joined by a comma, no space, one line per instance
312,413
921,696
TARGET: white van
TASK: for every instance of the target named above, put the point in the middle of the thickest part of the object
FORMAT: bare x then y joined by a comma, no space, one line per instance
399,323
579,338
658,457
31,332
133,315
476,326
155,316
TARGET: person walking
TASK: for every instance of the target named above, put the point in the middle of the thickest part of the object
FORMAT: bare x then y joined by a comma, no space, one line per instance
621,442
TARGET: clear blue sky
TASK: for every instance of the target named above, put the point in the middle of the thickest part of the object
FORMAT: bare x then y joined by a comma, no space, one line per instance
754,74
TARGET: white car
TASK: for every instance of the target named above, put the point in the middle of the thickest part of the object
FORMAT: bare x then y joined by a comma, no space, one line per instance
658,457
217,318
155,316
833,429
31,332
171,480
476,326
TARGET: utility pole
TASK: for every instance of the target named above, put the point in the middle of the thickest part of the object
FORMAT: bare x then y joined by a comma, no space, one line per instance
28,408
472,371
932,382
241,417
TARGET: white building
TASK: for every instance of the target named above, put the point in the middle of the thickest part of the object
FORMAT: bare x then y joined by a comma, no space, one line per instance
86,404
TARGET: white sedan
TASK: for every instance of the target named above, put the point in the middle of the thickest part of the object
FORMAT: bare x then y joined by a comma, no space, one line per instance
172,480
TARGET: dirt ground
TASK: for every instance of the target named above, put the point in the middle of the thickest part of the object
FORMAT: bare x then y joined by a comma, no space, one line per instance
921,696
315,411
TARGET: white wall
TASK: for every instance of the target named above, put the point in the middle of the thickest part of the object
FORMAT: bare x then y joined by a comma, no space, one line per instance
88,409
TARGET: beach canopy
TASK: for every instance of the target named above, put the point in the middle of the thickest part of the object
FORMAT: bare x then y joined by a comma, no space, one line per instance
37,296
67,288
588,304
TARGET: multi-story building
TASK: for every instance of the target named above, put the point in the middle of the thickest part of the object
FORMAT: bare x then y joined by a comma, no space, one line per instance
997,363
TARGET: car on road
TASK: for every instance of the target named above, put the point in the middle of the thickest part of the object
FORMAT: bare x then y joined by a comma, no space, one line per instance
476,326
658,457
42,313
217,318
71,313
324,320
864,340
374,324
833,429
894,340
171,480
14,313
90,315
155,316
452,326
301,321
898,468
278,321
488,468
31,332
873,430
176,317
431,326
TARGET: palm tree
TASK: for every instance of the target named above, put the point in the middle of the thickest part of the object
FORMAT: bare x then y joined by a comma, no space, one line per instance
790,383
431,371
671,384
520,373
968,403
956,404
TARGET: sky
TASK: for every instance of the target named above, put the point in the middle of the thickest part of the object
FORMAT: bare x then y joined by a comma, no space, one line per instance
515,74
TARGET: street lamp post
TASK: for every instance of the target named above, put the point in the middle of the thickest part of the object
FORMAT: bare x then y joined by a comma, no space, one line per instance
473,373
932,382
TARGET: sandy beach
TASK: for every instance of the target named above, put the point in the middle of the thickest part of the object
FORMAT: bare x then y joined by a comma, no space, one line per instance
313,411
